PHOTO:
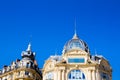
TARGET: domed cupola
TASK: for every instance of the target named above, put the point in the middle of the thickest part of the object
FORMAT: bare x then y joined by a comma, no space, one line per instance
75,43
28,53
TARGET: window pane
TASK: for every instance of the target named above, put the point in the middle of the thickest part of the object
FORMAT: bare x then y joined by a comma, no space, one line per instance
76,60
76,75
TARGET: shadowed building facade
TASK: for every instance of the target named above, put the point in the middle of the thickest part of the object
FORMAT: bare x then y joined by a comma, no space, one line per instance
24,69
76,63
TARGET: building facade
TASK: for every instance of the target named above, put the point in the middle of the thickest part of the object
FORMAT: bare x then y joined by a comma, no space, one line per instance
76,63
24,69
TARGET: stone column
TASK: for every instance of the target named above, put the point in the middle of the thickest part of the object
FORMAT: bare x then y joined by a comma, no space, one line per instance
66,74
55,75
89,75
59,75
93,75
98,75
63,74
43,76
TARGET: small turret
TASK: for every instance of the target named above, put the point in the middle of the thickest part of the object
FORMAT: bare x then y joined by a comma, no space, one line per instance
28,53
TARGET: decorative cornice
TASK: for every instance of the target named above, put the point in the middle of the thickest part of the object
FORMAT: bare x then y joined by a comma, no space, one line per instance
19,69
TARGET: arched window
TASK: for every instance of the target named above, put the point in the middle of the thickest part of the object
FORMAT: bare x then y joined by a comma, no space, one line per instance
76,75
49,76
104,76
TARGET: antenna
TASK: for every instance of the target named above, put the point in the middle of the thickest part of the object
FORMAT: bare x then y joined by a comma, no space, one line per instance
75,26
75,32
30,38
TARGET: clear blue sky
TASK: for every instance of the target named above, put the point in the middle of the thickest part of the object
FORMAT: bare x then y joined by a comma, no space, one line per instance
48,24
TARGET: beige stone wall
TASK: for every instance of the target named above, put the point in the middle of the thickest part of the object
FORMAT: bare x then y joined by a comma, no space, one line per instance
20,75
61,70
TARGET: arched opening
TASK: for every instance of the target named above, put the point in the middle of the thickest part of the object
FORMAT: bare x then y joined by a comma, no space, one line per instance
49,76
76,75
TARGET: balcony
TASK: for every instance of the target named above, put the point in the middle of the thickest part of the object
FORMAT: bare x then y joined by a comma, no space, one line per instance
24,77
22,73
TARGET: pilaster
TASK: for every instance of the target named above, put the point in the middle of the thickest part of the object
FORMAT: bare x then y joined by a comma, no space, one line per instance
93,75
63,74
59,75
98,75
90,75
55,75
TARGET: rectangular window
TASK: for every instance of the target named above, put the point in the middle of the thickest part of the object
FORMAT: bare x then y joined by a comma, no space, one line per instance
76,60
26,73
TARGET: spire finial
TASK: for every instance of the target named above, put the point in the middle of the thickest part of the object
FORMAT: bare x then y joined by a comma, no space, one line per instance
75,27
29,47
30,38
75,31
95,52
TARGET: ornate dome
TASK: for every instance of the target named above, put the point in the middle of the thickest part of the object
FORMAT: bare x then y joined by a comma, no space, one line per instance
75,43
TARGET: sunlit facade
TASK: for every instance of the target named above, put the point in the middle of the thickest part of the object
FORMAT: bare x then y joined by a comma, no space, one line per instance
76,63
24,69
